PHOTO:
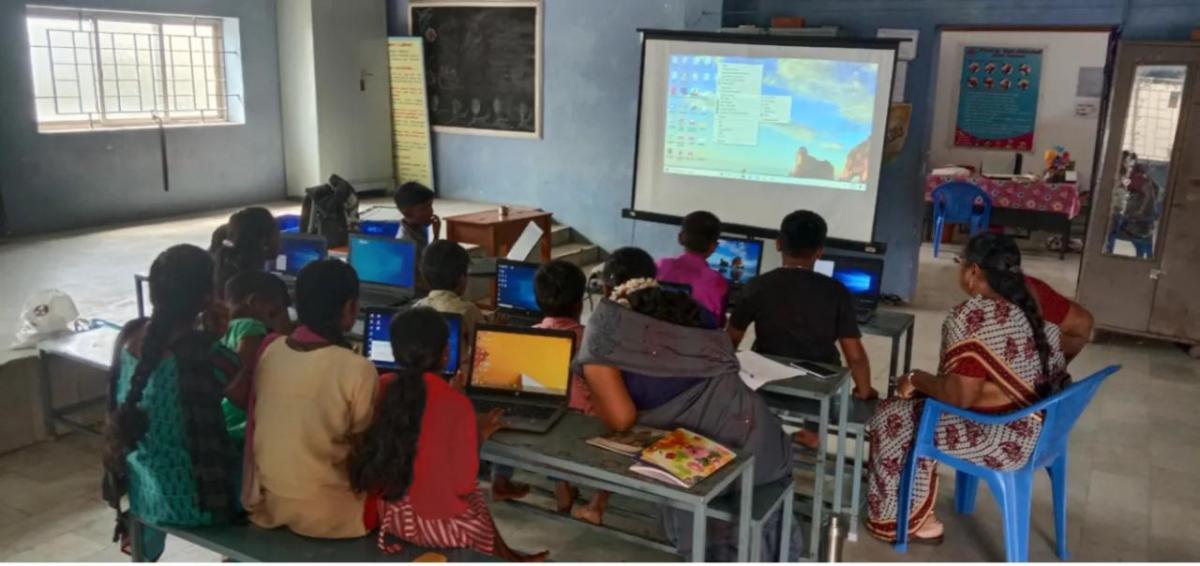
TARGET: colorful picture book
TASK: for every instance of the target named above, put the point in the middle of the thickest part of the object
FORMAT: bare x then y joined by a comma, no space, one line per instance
682,458
631,442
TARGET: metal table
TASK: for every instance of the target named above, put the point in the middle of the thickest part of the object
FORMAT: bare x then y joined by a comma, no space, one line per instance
893,325
823,391
92,348
563,453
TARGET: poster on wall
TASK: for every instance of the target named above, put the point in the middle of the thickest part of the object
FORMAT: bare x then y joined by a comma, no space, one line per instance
998,98
483,65
411,145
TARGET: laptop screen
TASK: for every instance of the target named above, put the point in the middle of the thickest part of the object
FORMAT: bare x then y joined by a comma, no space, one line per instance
824,267
297,251
514,287
737,260
861,275
377,340
383,261
681,288
522,360
380,228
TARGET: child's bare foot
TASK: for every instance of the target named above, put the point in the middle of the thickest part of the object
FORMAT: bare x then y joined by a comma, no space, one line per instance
504,489
807,439
565,495
593,512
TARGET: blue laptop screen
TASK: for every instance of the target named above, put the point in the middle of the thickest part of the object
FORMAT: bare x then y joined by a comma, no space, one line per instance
378,341
383,261
381,228
738,261
514,287
860,276
295,253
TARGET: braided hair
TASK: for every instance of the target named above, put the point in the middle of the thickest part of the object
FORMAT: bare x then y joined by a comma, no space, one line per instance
998,256
382,461
181,284
323,289
251,239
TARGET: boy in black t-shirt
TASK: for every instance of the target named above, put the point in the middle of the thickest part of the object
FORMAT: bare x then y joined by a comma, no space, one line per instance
799,313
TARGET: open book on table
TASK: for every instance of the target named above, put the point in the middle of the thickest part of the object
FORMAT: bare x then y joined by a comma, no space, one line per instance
682,458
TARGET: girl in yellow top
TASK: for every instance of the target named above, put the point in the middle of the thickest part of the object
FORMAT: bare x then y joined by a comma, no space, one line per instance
312,396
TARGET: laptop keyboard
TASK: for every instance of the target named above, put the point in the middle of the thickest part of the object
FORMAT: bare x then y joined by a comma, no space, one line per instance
515,410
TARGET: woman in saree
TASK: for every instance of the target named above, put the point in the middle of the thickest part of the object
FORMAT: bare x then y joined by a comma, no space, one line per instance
997,356
655,358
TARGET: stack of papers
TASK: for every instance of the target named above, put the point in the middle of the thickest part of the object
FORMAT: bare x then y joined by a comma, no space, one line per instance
759,370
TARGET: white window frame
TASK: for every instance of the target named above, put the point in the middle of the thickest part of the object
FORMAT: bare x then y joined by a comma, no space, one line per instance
164,105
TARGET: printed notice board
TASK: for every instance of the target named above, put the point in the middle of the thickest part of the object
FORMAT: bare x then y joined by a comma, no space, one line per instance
412,147
998,98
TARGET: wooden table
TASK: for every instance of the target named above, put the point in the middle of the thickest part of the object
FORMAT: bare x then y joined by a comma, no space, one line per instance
496,234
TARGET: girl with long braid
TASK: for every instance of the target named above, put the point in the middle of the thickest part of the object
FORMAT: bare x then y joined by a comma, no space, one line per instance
166,444
998,355
311,397
419,460
251,239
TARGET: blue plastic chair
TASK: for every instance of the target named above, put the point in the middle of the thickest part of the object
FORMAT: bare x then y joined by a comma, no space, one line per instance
1013,489
957,202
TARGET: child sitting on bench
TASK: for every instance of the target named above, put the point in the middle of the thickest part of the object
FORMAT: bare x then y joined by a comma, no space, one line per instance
166,444
698,236
418,223
252,239
420,457
258,305
312,395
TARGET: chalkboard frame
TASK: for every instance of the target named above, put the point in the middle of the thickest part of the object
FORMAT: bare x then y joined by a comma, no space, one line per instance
537,6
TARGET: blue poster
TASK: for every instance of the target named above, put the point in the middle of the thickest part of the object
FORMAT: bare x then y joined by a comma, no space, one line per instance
998,98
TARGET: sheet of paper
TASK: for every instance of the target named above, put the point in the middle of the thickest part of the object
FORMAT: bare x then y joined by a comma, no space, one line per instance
530,238
758,370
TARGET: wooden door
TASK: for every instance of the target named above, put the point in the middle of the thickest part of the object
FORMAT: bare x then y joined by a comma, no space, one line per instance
1176,312
1124,258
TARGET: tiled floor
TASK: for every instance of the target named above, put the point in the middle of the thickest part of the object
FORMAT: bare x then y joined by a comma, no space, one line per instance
1134,455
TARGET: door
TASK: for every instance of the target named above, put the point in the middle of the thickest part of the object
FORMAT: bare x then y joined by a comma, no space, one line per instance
1176,301
1132,201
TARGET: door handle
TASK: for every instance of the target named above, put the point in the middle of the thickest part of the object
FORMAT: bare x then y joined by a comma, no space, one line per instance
1155,274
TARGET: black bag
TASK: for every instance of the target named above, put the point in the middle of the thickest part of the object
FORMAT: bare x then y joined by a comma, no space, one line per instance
330,210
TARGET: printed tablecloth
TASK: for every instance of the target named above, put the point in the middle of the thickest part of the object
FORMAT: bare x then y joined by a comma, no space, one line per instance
1061,198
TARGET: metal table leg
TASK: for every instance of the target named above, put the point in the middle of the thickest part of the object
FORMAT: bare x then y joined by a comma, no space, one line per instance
785,525
908,345
860,450
700,533
136,536
819,488
839,473
47,392
745,513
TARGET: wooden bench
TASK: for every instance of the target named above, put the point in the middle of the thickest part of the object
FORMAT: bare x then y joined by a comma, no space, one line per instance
246,543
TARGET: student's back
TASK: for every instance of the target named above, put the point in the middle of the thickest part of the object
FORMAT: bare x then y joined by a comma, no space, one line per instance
797,313
698,236
313,396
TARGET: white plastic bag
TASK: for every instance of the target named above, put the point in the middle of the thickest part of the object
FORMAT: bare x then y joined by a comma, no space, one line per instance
45,313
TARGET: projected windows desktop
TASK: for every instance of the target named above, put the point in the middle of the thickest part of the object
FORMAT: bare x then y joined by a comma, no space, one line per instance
776,120
385,262
738,261
517,361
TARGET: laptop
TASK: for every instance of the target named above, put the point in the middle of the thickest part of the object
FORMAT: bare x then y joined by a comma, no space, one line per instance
862,276
380,228
738,260
525,372
377,340
386,268
297,251
515,296
681,288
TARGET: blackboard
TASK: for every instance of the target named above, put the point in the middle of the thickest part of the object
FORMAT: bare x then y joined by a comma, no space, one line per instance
482,66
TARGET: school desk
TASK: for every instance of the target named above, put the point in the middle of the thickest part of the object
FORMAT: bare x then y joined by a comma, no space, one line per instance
564,454
893,325
496,234
92,348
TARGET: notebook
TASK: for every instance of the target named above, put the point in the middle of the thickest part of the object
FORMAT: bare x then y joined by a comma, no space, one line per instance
682,458
631,442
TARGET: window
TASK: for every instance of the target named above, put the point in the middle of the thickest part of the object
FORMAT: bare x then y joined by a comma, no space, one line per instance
100,69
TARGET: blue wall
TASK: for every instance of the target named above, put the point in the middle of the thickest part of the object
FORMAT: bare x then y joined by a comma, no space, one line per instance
582,169
900,201
73,180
